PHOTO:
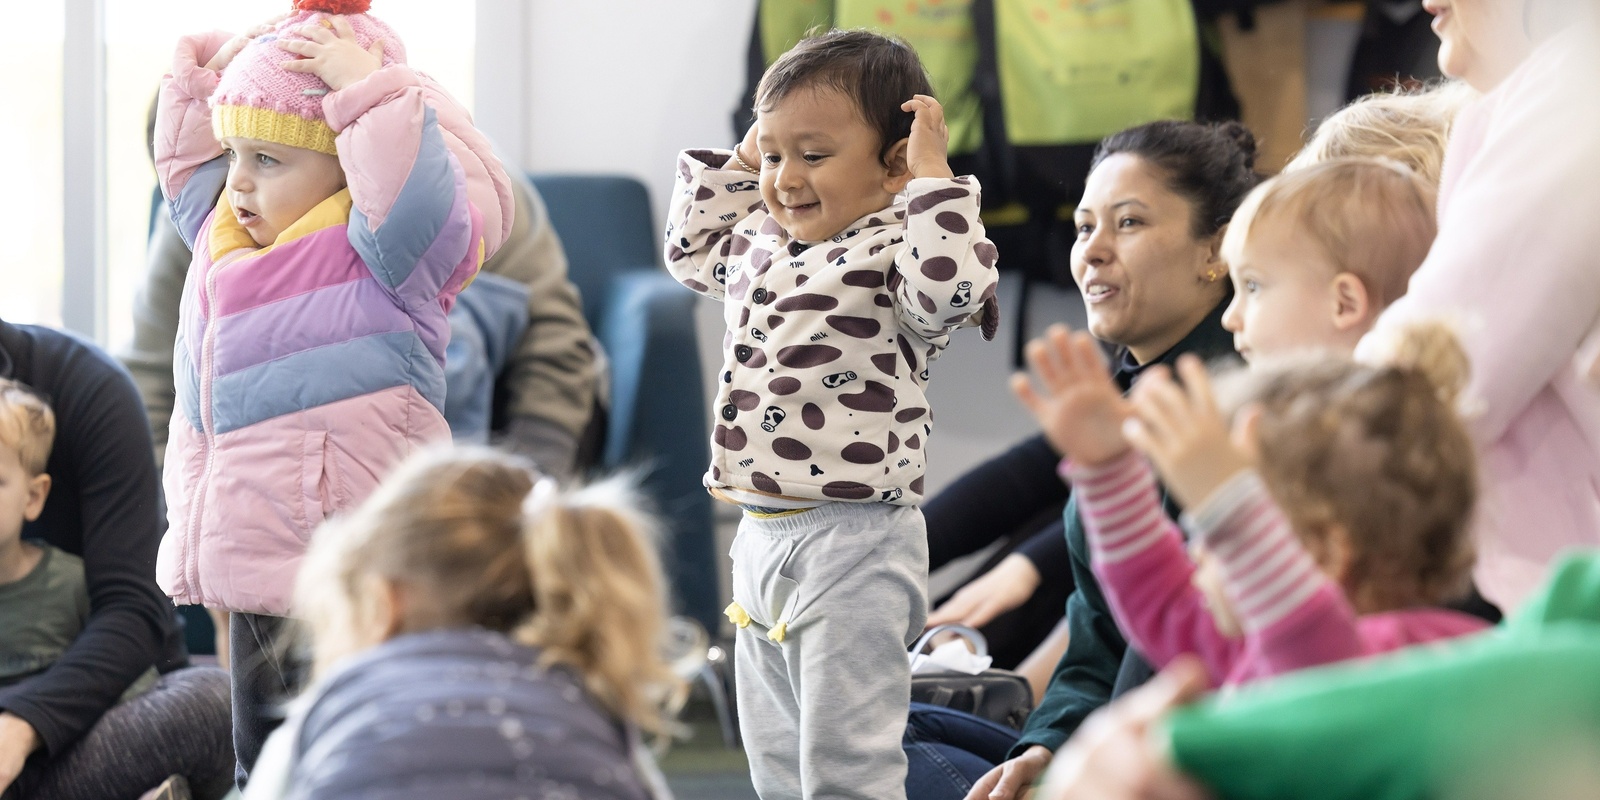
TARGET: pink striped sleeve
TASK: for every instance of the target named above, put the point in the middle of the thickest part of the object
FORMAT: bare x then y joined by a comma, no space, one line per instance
1138,554
1296,614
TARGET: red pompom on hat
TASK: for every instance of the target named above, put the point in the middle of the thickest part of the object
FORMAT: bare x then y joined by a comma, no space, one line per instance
334,6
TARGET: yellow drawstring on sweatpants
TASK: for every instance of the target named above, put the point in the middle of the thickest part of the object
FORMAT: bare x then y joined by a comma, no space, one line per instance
738,616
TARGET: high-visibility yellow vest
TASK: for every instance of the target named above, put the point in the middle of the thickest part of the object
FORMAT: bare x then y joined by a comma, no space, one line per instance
1070,71
939,30
1076,71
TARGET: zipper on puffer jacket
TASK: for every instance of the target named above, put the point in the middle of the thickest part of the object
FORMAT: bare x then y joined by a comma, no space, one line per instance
208,436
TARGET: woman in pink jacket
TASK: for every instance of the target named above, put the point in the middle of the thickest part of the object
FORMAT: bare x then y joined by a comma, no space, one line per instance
356,201
1516,270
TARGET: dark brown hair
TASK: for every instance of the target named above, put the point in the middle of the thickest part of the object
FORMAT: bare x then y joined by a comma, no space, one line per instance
1211,166
876,72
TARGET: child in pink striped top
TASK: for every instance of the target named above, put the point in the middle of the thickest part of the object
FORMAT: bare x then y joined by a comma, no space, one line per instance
1325,524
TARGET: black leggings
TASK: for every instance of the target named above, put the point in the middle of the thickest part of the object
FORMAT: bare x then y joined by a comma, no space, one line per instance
1018,498
266,676
178,727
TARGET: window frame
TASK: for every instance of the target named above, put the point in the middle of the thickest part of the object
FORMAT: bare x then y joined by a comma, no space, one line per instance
500,70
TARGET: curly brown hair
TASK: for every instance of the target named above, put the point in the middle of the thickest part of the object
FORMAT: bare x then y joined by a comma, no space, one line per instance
1379,453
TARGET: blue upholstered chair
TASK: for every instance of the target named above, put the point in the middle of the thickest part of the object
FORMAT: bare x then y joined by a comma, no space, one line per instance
645,322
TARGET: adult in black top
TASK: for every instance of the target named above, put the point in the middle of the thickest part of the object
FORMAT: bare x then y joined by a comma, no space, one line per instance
104,507
1149,227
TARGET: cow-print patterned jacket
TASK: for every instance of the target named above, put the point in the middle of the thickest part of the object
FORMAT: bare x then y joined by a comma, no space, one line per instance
825,362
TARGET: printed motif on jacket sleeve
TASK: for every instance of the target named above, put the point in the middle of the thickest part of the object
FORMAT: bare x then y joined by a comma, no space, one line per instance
826,355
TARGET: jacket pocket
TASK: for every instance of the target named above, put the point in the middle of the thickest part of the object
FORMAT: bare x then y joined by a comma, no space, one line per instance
318,482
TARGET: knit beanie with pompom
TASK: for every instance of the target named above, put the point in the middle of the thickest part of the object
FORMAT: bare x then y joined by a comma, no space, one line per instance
258,99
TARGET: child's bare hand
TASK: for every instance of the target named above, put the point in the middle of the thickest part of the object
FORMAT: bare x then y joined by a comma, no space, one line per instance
747,148
1080,409
928,151
231,50
332,54
1182,432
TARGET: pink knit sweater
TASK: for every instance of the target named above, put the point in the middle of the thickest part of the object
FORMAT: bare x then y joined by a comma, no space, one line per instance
1516,268
1293,616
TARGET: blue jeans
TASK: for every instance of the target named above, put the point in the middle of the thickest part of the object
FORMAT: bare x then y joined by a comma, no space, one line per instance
947,751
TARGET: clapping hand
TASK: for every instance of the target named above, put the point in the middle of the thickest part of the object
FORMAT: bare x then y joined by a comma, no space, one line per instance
1180,429
1079,408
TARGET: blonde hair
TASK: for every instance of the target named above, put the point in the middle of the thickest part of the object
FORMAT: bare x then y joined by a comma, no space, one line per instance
1409,126
1372,218
577,577
27,425
1378,451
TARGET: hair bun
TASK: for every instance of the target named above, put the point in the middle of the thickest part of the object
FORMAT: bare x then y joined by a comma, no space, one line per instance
334,6
1242,139
1430,349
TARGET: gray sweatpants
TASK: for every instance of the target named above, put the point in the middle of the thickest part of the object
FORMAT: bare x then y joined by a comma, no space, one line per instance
844,586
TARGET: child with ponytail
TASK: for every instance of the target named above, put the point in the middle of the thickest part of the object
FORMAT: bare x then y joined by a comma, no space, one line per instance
1328,523
478,632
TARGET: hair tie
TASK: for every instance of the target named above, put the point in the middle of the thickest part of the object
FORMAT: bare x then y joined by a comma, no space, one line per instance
541,498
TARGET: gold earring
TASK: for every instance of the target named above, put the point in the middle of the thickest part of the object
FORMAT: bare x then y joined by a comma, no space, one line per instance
1212,275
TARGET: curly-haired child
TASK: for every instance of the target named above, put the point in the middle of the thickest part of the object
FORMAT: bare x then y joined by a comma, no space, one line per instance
1373,471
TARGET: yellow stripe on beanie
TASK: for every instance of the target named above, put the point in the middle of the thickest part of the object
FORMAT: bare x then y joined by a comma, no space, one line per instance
273,126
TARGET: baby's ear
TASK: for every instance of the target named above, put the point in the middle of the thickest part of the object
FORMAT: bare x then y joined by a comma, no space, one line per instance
1353,308
899,171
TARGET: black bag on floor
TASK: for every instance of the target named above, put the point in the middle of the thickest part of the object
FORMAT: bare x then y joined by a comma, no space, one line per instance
997,695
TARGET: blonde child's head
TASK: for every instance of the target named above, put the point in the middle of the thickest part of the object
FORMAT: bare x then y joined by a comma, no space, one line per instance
1316,254
1409,126
831,131
469,537
272,124
27,431
1372,465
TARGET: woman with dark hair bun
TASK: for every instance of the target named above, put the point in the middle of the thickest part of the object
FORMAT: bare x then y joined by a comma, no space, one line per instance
1146,261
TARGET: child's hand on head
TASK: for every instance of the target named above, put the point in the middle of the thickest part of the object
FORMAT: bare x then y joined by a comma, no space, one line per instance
1080,409
1182,432
928,151
747,148
231,50
332,54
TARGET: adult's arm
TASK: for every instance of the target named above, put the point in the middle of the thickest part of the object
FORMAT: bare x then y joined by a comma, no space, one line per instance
1516,262
549,381
148,356
1084,678
1014,490
112,521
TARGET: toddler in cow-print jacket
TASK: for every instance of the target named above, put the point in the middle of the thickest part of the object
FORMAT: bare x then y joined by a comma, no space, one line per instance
845,253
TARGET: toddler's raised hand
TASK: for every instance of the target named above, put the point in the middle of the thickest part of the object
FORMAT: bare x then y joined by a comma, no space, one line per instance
1183,434
928,151
230,50
1080,409
332,53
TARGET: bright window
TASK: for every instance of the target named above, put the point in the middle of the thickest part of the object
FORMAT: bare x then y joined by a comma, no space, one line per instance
139,51
31,203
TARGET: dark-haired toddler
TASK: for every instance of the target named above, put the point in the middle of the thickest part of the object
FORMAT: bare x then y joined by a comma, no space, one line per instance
845,253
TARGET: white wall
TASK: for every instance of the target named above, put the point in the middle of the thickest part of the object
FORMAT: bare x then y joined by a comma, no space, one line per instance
622,86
